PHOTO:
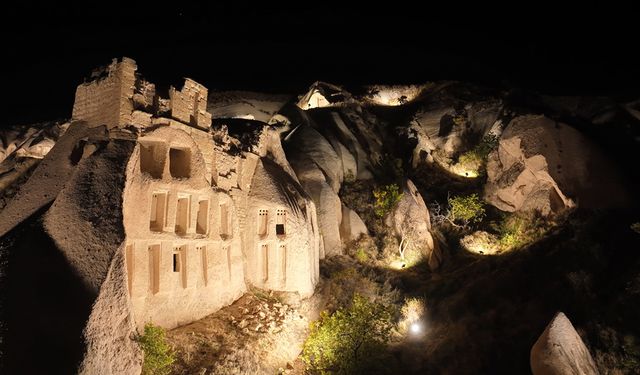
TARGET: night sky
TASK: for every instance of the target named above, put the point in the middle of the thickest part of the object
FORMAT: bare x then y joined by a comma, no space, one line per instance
49,49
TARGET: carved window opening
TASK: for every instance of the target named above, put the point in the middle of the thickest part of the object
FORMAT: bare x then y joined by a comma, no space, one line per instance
180,263
202,222
183,213
158,214
281,220
180,162
176,262
152,158
154,268
263,221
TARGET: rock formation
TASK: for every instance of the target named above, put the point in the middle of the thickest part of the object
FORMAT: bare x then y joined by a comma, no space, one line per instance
161,218
544,165
410,221
560,351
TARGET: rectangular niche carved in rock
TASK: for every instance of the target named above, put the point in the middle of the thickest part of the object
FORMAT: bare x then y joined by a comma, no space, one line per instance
202,222
183,213
202,250
152,158
158,214
226,252
263,220
128,254
180,263
282,254
180,162
225,228
154,268
281,220
264,262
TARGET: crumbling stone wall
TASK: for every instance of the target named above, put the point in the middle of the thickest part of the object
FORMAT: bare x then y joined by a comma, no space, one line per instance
107,98
116,96
189,105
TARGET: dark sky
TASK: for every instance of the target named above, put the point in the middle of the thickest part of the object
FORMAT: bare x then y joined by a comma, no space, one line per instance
50,48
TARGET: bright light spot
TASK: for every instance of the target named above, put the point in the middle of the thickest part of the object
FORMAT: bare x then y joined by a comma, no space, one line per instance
469,173
398,264
415,328
481,242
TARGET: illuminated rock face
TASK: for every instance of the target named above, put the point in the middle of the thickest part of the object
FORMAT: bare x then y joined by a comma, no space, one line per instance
544,165
163,221
410,220
322,95
560,351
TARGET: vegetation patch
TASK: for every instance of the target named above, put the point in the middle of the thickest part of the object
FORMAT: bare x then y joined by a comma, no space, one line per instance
352,340
158,355
466,209
473,162
520,229
386,197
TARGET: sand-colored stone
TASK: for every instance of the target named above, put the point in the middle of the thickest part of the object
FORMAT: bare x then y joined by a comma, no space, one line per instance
162,218
560,351
319,150
541,164
410,220
352,226
327,203
322,94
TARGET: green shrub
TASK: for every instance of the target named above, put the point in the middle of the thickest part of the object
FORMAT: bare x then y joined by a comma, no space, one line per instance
520,229
466,209
158,356
361,255
386,197
350,341
476,158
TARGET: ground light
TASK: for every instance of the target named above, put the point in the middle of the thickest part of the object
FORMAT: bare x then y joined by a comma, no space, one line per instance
398,264
415,328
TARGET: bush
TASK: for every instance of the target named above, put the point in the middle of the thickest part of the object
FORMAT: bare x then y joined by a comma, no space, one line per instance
520,229
158,356
466,209
386,197
361,255
352,340
476,158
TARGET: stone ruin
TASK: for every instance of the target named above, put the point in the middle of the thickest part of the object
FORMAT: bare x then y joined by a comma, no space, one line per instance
160,218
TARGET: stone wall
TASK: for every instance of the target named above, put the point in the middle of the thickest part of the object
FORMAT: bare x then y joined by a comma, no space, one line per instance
116,96
189,105
107,99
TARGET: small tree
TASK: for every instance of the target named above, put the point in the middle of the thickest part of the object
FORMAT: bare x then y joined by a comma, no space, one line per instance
158,356
349,341
407,236
386,197
466,209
